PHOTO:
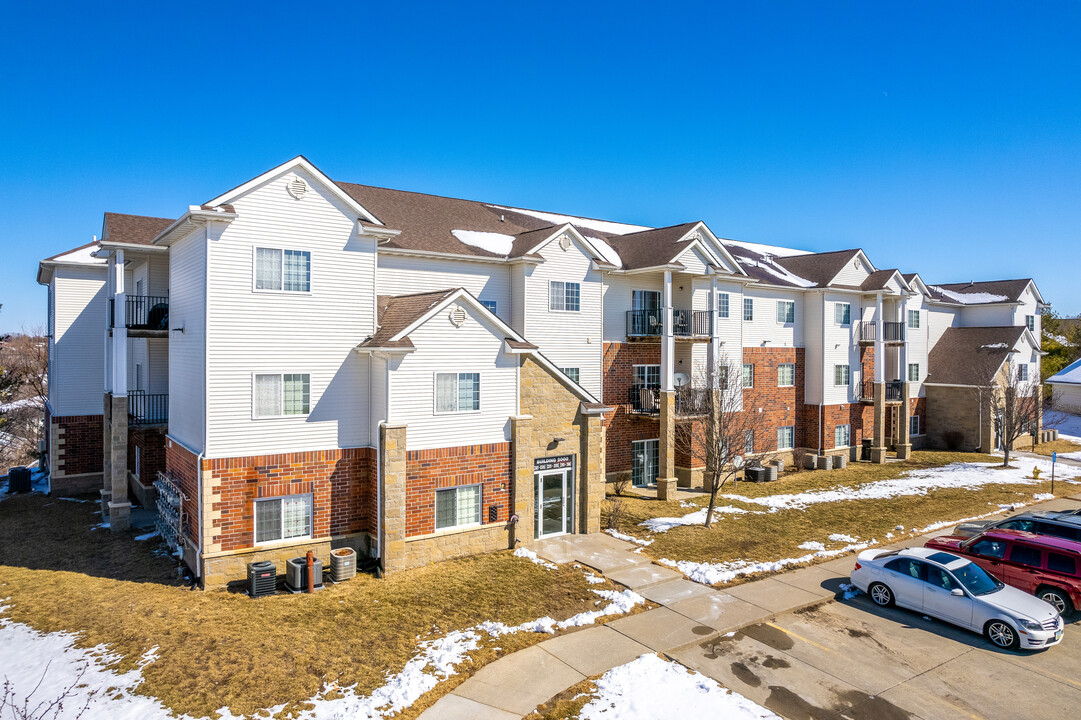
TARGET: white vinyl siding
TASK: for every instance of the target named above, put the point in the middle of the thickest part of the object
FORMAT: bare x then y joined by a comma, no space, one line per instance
283,518
786,375
841,375
76,375
491,306
786,437
842,436
564,296
271,332
403,275
187,349
457,507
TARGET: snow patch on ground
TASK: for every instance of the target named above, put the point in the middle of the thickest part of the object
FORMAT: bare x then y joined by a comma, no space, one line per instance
533,558
850,591
698,517
840,537
148,536
651,688
629,538
593,579
1043,496
1068,426
497,243
969,476
811,545
724,572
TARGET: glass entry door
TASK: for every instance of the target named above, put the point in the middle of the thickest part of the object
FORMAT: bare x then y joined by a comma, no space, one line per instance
554,502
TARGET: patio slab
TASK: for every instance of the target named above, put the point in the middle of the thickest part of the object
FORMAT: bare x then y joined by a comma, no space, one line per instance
662,629
606,559
595,650
455,707
519,682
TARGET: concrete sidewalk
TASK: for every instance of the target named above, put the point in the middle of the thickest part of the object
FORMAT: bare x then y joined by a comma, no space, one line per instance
689,614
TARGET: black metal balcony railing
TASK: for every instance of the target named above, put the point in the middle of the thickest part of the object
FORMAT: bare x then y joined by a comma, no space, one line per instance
145,409
692,401
646,400
893,332
685,323
894,390
868,331
146,312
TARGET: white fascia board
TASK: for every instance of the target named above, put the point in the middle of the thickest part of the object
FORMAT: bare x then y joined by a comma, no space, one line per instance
187,222
303,163
493,260
136,247
379,232
677,267
718,248
573,231
714,261
384,352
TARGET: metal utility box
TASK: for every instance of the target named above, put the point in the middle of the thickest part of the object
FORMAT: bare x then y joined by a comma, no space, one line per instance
262,578
296,574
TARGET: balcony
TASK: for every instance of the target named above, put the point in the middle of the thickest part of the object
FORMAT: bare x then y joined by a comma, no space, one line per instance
144,315
145,410
646,400
894,391
893,333
685,323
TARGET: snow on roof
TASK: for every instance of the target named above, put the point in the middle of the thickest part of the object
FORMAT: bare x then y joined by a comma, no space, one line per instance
80,256
766,249
978,298
609,252
1069,375
603,226
497,243
995,346
775,270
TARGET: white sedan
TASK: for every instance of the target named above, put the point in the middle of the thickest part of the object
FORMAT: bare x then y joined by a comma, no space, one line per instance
958,591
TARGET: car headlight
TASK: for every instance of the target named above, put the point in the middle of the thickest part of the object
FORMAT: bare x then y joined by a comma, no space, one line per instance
1030,624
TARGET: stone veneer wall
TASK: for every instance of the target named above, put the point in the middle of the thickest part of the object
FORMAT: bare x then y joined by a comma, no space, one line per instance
75,453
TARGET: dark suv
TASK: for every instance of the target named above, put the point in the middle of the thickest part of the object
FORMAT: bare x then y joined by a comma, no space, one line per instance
1047,567
1064,524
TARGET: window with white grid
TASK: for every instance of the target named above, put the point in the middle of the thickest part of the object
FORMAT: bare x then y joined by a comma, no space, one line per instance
786,437
842,313
748,375
841,374
748,309
278,394
457,507
722,304
283,518
564,296
786,311
786,375
571,372
457,392
842,436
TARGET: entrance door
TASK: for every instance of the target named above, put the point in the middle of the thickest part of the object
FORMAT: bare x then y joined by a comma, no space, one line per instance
553,500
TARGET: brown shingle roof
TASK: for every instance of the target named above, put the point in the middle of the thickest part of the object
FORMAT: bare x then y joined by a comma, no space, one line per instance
397,312
133,229
970,355
818,268
1010,290
877,280
650,248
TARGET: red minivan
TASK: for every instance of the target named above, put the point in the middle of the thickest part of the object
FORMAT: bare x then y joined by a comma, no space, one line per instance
1048,567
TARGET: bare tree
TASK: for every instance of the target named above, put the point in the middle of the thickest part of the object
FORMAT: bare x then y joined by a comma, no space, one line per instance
721,429
23,391
1013,402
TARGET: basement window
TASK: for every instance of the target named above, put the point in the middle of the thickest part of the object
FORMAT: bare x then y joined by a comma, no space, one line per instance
283,518
457,507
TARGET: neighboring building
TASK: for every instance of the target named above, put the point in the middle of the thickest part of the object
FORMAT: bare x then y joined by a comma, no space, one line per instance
1066,388
307,363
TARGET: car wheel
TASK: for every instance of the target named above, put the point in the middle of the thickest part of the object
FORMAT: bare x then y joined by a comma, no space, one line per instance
881,595
1058,599
1001,634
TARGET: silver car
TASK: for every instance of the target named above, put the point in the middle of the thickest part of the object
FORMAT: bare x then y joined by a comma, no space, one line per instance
960,592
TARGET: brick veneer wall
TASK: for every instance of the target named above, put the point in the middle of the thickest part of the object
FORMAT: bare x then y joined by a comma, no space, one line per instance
858,416
182,465
79,440
431,470
338,480
780,406
621,427
151,444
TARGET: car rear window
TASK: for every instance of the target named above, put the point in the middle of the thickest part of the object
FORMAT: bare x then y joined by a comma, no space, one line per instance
1026,525
1024,555
1059,531
1061,563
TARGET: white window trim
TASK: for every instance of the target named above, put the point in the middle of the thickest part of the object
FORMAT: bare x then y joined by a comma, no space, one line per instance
645,365
743,376
1030,322
282,374
462,526
282,540
577,370
493,309
786,427
848,371
1022,368
727,305
791,365
918,428
435,385
645,444
265,291
849,443
842,323
745,308
918,372
919,320
786,322
565,283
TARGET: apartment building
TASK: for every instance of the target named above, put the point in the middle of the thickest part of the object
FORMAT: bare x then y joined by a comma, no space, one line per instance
301,363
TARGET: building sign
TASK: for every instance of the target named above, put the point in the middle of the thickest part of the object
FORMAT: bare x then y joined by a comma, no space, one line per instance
553,463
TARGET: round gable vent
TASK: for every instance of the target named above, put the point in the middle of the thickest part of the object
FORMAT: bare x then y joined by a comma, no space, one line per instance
565,243
297,188
457,316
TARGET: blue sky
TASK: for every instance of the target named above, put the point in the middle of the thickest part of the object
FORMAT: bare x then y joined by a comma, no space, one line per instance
943,138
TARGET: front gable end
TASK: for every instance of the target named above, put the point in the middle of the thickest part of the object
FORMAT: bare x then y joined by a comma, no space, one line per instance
708,245
855,271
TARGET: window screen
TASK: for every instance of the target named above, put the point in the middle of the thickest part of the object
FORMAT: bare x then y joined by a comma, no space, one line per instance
268,269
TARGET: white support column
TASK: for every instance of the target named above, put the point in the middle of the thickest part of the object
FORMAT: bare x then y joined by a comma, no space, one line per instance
715,331
120,331
880,346
903,350
668,340
107,335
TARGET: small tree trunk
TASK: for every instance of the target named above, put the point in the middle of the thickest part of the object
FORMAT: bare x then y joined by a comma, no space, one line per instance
713,489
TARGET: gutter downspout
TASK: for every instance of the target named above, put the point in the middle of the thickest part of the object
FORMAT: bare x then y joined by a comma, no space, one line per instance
822,376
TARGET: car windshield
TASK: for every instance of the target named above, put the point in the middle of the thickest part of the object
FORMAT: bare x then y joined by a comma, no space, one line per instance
975,579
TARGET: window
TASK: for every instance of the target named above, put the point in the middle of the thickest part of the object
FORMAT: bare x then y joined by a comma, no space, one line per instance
748,309
786,311
748,376
457,507
914,372
1061,563
139,377
286,270
489,305
748,442
285,394
564,296
940,578
1022,373
842,436
905,566
786,437
842,313
572,373
914,319
914,425
647,375
842,375
138,461
457,392
1030,322
283,518
646,461
990,549
722,304
786,375
1024,555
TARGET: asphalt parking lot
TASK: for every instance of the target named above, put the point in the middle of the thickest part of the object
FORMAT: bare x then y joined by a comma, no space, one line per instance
852,659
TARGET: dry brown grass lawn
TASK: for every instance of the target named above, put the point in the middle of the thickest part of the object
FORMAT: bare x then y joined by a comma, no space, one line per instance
772,536
1060,446
224,649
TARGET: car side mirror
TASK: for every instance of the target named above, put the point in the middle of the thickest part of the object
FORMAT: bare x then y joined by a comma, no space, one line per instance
957,592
